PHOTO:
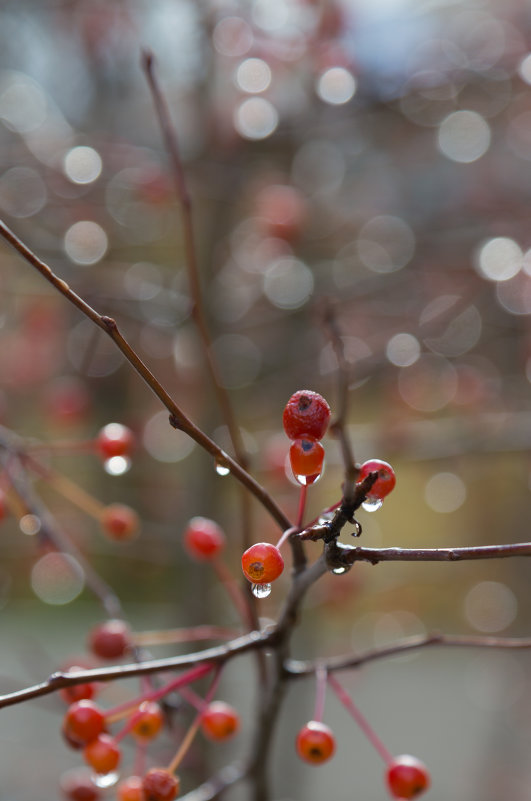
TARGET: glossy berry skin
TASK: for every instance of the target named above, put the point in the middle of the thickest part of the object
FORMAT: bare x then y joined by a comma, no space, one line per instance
77,785
315,743
386,477
114,439
77,691
130,789
306,414
84,721
262,563
407,777
220,721
119,522
203,539
110,640
306,457
149,721
102,754
160,785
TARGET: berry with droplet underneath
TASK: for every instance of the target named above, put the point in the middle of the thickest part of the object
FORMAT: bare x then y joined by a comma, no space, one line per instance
306,457
77,785
220,721
306,414
386,478
110,640
83,721
131,789
262,563
407,777
203,539
149,721
119,522
315,743
102,754
160,785
115,439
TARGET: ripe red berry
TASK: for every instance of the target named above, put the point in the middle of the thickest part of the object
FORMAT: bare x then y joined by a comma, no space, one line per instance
315,743
83,721
110,640
262,563
203,539
114,439
77,691
102,754
407,777
306,457
150,721
306,415
220,721
77,785
131,789
386,478
119,522
160,785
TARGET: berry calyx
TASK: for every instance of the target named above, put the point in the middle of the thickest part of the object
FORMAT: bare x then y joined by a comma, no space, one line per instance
306,457
102,754
262,563
386,478
160,785
220,721
110,640
407,777
306,414
315,743
119,522
83,721
149,722
203,539
115,439
131,789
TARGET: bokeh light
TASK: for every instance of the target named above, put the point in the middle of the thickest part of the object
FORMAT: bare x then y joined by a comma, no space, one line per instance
57,578
464,136
85,242
490,606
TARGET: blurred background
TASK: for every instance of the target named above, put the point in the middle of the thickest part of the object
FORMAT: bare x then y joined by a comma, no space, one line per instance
369,159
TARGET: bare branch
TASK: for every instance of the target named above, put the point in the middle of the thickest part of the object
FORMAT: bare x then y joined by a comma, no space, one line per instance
347,555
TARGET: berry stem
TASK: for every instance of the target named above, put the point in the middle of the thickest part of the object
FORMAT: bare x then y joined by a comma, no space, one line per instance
302,505
361,720
321,676
285,536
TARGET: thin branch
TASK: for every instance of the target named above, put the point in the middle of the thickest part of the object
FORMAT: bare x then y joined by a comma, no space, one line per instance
347,555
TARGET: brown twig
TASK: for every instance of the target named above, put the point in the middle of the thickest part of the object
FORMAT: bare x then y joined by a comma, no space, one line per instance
346,555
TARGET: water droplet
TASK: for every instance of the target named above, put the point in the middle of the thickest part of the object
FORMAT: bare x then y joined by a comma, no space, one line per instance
104,780
221,465
326,517
338,571
117,465
372,504
307,480
261,590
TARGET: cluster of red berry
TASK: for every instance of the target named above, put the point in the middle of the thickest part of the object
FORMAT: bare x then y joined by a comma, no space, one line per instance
305,419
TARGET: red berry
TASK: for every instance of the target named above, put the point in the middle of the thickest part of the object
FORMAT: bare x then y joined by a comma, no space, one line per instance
110,640
83,721
315,743
77,691
306,457
130,789
386,478
262,563
114,439
282,209
149,722
119,522
160,785
306,415
102,754
220,721
203,539
407,777
77,785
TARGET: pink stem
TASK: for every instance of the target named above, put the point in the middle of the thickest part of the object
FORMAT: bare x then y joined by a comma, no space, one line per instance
361,720
302,504
320,693
286,534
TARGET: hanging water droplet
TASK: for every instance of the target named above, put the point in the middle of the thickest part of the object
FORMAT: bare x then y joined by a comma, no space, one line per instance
325,517
372,504
307,480
261,590
104,780
221,466
338,571
117,465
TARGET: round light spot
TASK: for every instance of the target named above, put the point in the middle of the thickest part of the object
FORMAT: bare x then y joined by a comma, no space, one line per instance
29,525
429,384
336,86
255,118
23,104
499,259
463,136
403,350
82,165
22,192
288,283
385,244
232,36
524,69
117,465
85,242
490,606
515,295
445,492
57,578
165,443
253,75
